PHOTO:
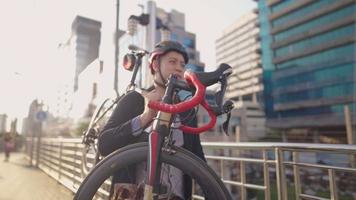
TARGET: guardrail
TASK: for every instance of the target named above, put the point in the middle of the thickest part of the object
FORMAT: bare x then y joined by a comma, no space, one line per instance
250,170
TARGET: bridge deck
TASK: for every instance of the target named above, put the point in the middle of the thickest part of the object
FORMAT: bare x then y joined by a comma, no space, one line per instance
18,180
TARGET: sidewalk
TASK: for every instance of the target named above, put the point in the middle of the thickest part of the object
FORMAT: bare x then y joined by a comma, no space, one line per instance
20,181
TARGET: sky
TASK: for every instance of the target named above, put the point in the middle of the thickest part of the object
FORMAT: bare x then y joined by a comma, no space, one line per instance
31,31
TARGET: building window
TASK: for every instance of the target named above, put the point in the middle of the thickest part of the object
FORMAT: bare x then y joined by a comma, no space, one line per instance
95,90
194,68
101,67
189,43
174,37
191,56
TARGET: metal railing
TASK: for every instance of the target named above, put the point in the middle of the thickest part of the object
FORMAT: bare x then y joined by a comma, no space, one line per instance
263,170
280,158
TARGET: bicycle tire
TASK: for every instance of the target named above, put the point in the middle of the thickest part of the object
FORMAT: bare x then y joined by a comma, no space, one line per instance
136,153
97,116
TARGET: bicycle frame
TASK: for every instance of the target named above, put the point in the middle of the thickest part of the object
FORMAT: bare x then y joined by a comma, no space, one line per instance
162,125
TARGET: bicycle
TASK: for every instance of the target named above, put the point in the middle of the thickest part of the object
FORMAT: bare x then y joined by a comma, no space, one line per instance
90,154
161,149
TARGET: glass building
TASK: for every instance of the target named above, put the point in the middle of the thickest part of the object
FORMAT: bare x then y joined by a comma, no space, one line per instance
239,46
308,59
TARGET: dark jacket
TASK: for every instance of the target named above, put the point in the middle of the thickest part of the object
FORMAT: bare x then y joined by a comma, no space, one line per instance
117,133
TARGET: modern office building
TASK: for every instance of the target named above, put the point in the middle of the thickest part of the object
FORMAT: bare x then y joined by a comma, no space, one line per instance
85,40
308,58
239,47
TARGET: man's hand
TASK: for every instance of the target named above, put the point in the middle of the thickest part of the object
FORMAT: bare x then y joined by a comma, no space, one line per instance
148,115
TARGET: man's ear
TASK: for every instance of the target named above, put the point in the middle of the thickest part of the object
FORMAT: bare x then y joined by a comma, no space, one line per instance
155,65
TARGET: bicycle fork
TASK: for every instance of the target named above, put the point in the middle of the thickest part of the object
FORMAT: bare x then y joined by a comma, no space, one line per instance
156,139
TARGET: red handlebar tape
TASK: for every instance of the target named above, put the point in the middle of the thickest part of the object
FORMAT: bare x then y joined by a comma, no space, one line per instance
198,98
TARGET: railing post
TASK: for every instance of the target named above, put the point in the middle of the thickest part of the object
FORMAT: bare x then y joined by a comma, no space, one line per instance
74,163
281,181
60,160
39,145
243,180
296,175
333,188
266,176
32,148
222,169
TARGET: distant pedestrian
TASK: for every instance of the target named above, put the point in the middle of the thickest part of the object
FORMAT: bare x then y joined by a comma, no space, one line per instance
9,145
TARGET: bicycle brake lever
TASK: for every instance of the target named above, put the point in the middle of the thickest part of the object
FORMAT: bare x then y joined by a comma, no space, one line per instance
227,107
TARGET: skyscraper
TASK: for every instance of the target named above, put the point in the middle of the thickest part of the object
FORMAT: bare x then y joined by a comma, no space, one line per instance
308,57
86,40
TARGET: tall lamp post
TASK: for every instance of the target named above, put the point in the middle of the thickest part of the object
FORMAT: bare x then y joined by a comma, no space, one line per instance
117,49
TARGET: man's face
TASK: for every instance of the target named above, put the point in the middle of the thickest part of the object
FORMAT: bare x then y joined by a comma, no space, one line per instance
171,63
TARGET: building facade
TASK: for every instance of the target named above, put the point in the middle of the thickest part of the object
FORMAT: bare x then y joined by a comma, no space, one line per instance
308,58
239,47
85,39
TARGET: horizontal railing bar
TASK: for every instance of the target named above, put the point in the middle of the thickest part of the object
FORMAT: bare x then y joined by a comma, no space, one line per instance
321,166
311,197
68,140
239,159
247,185
344,148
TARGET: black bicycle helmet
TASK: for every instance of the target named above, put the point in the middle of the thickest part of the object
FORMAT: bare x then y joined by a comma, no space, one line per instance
165,47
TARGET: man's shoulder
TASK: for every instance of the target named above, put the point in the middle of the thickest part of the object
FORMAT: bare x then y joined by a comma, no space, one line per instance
132,95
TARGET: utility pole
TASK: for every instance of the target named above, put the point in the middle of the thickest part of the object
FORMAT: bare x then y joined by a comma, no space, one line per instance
117,49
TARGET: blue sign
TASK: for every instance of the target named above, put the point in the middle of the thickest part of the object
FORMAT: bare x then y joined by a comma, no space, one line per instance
41,116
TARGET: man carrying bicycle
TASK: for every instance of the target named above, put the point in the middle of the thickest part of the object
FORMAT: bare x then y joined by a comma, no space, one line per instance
131,120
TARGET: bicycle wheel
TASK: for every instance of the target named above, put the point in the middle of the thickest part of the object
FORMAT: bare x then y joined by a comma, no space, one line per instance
90,154
90,157
189,164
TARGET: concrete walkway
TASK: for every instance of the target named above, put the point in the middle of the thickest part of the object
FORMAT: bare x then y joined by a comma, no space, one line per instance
20,181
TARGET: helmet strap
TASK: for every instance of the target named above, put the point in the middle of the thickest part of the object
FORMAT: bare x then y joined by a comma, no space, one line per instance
160,84
160,75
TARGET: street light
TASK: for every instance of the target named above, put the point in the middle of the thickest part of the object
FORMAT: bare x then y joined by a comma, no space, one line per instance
116,78
134,20
152,25
143,19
